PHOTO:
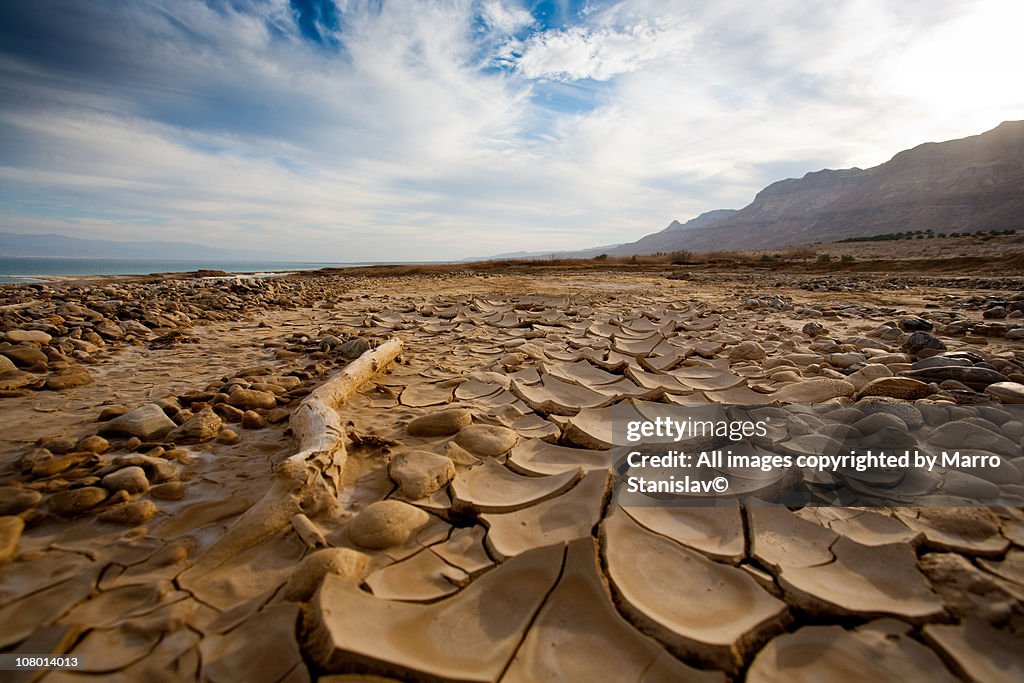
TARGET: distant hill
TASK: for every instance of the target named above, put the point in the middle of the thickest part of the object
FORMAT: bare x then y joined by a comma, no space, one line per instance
975,183
62,246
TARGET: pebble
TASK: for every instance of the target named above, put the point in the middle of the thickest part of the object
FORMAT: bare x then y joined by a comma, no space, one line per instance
69,378
915,325
421,473
201,427
813,391
441,423
249,399
386,523
131,513
253,420
10,533
920,342
171,490
228,437
1007,392
747,350
974,377
15,500
896,387
93,444
29,336
278,415
355,347
75,501
129,479
146,422
488,440
307,576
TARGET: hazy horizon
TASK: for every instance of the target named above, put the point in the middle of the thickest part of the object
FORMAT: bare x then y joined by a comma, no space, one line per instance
416,131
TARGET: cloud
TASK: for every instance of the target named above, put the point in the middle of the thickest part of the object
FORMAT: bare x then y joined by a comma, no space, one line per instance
451,128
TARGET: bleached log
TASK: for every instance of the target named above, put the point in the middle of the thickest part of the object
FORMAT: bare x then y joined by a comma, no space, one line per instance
310,479
308,531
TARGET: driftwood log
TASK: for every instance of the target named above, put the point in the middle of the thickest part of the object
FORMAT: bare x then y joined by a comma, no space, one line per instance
311,479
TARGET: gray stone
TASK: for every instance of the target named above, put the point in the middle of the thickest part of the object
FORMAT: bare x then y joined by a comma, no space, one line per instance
922,341
1007,392
974,377
148,422
128,479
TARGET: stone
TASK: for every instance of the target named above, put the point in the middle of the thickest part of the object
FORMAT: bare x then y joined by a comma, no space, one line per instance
747,350
29,336
251,399
814,330
994,313
420,473
25,356
441,423
228,437
15,500
253,420
201,427
76,501
915,325
974,377
110,412
486,440
813,391
148,422
57,444
1007,392
919,342
278,415
309,574
10,531
69,378
386,523
896,387
171,490
353,348
132,513
93,444
7,367
128,479
229,413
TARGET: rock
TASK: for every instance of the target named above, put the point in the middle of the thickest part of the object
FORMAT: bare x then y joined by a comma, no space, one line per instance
251,399
201,427
974,377
132,513
278,415
920,342
75,501
441,423
253,420
148,422
228,437
747,350
346,563
1007,392
229,413
133,444
814,330
30,336
129,479
863,376
915,325
69,378
57,444
353,348
110,412
487,440
7,367
994,313
171,490
15,500
93,444
421,473
10,532
896,387
386,523
29,357
813,391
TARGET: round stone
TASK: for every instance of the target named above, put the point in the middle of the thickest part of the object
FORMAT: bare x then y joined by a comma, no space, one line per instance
441,423
128,479
488,440
386,523
75,501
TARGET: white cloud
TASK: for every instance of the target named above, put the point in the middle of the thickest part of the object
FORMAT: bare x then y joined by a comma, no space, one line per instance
215,128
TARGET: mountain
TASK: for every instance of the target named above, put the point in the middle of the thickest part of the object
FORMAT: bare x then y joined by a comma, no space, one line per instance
975,183
61,246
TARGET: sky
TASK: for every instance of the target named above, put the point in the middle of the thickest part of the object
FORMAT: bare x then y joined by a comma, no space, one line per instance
413,130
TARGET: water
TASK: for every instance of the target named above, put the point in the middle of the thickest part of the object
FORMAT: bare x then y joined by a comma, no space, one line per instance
29,269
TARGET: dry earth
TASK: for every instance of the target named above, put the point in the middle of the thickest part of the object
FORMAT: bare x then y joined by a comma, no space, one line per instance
473,534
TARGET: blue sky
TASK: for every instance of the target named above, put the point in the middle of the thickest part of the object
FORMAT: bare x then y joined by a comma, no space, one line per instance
420,129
